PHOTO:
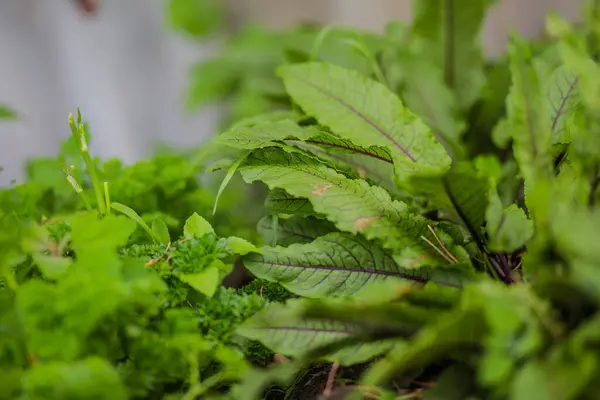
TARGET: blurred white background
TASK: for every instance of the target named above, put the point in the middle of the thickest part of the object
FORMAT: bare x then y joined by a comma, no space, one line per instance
128,73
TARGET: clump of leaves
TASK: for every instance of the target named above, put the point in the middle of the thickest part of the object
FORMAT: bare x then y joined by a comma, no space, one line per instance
90,310
437,212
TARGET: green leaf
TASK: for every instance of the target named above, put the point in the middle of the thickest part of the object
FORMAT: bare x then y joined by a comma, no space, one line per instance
509,228
262,134
337,264
352,205
95,241
195,225
197,18
160,230
280,202
374,162
236,245
52,267
446,34
461,193
205,282
7,112
227,178
293,230
457,329
282,328
129,212
365,112
528,115
426,94
88,379
562,92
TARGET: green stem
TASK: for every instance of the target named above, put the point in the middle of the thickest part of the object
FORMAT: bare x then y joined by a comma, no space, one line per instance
78,132
449,43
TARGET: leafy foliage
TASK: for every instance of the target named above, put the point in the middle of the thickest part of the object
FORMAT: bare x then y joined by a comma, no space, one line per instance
431,217
462,250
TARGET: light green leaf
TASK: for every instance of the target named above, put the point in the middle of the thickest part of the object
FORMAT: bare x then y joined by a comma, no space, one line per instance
239,246
160,230
509,229
528,116
95,241
230,172
293,230
52,267
352,205
262,134
90,378
365,112
134,216
195,225
205,282
282,328
7,112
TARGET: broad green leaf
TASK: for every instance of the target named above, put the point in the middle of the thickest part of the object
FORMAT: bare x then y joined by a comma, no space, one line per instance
52,267
365,112
206,282
527,114
95,241
197,226
446,34
337,264
160,230
90,378
352,205
282,328
262,134
280,202
293,230
197,18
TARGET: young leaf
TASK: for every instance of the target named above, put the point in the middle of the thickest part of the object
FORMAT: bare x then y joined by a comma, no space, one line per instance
129,212
196,226
160,230
352,205
237,246
365,112
206,282
337,264
293,230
